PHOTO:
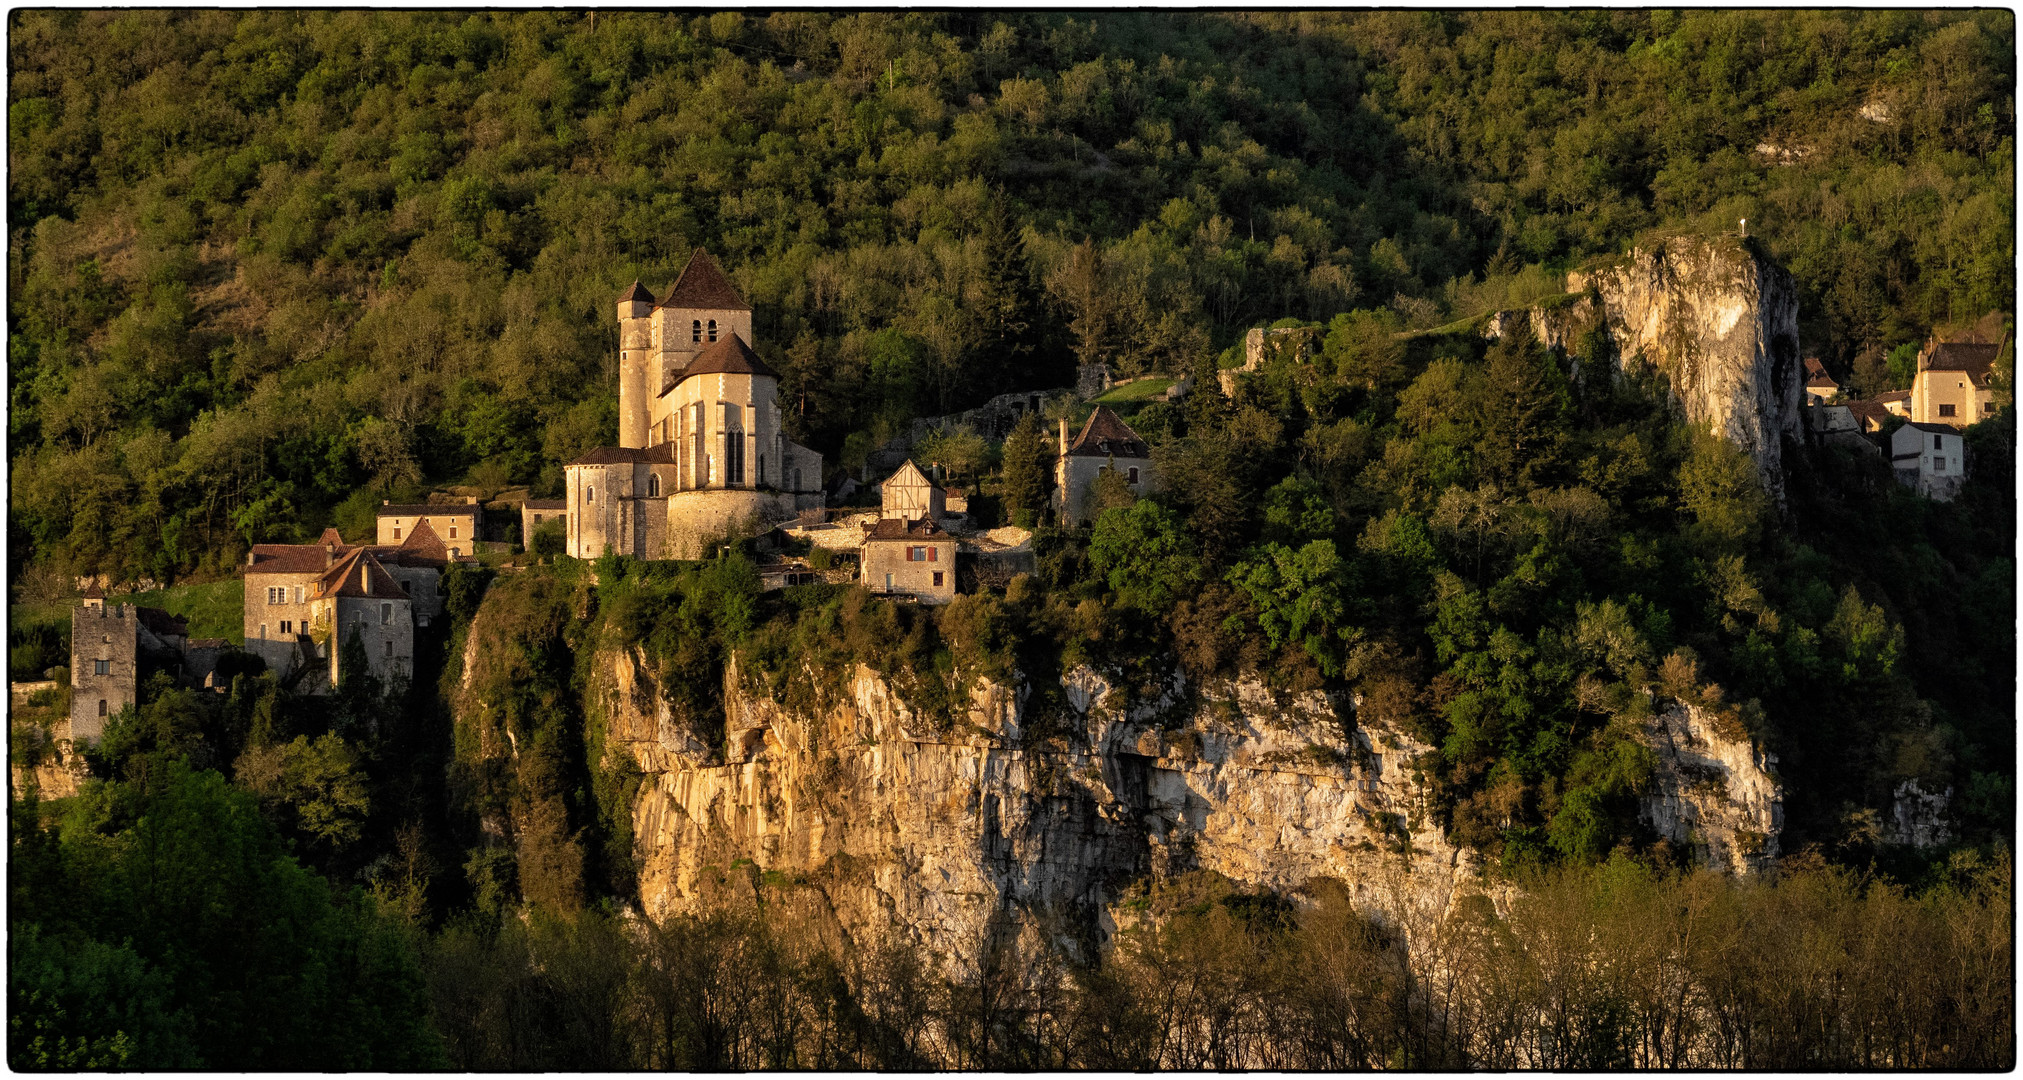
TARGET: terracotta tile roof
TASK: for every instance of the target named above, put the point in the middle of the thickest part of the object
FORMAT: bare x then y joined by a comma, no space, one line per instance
1107,436
330,538
702,285
423,543
1815,374
896,529
637,293
729,356
662,454
289,559
358,573
93,592
1870,413
1892,395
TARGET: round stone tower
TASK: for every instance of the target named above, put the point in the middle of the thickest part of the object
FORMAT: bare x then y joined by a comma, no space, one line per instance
635,363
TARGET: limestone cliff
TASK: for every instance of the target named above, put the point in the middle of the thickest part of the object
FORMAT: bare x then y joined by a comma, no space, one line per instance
1714,793
1713,317
941,831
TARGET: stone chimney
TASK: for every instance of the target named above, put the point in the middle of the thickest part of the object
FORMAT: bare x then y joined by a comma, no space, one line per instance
1064,436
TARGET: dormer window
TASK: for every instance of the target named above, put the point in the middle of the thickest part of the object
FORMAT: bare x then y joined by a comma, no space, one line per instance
712,329
695,331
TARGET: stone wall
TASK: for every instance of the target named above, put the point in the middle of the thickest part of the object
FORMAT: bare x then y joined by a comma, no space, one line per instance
696,518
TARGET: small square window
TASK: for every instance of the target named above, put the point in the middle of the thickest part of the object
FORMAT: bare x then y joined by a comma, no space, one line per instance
937,578
389,647
1945,410
287,626
1133,474
101,667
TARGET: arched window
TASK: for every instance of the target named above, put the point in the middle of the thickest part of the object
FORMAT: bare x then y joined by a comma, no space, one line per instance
712,329
101,706
590,494
653,486
695,330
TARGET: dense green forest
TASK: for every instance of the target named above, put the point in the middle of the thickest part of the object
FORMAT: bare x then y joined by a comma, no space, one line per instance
269,268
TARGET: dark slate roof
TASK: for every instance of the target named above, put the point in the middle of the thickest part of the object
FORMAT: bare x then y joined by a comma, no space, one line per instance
636,293
896,529
1936,429
663,454
161,623
289,559
1973,358
729,356
1107,436
427,509
702,285
547,504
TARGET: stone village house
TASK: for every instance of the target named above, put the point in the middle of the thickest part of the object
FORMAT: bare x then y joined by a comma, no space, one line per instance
1952,385
304,601
456,524
1929,457
1105,442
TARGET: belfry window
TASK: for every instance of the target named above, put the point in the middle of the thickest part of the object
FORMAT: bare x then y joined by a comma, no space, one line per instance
712,329
653,486
695,330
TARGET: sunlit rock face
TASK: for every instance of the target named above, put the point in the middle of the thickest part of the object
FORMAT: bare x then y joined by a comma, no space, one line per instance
1715,793
940,831
1717,321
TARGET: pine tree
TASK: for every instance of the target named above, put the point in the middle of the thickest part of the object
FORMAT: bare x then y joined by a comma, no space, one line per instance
1026,461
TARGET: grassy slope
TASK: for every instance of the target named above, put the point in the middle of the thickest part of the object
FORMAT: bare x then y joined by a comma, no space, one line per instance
214,611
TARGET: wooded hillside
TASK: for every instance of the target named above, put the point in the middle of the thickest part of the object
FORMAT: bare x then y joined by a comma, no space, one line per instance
268,268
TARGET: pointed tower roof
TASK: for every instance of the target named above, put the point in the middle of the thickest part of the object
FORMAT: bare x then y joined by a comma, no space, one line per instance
729,356
702,285
637,293
331,538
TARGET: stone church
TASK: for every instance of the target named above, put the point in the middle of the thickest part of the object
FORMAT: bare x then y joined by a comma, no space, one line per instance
701,452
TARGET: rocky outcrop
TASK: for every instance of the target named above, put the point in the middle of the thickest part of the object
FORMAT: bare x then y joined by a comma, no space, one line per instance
1717,320
1714,793
1918,817
939,830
